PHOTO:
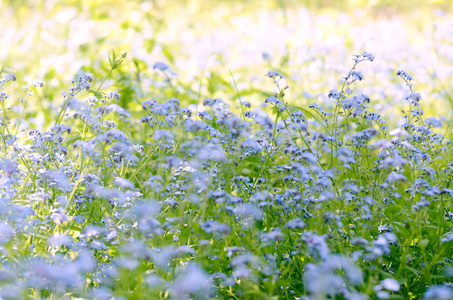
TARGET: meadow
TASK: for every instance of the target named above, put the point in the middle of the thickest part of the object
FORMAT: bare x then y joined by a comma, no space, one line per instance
226,150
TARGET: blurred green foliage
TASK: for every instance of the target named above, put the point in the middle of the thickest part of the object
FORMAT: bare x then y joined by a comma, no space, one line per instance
55,40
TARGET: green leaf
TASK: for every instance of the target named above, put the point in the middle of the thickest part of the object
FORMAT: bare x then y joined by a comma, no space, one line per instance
115,61
413,270
70,140
97,94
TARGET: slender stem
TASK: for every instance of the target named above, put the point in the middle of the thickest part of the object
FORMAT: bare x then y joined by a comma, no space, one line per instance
105,78
239,96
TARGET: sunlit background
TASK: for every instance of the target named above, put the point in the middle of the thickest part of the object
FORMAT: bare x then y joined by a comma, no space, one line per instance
310,42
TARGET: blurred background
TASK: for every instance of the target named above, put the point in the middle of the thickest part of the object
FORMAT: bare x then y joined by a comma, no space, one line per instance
311,42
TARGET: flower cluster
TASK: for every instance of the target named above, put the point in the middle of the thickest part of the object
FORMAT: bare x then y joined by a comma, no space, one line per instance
322,201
